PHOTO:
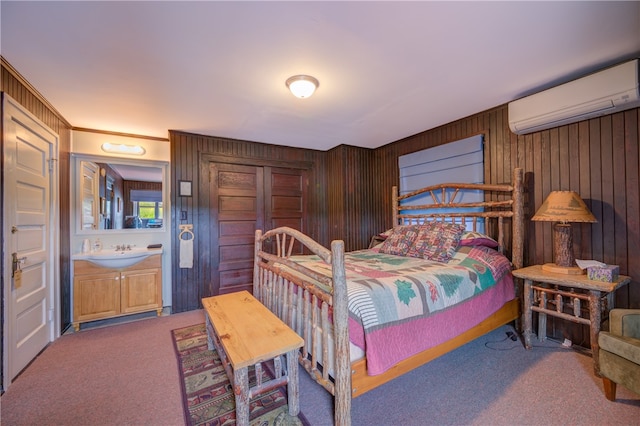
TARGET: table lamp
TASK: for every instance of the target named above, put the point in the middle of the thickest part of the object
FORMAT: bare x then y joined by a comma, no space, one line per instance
563,207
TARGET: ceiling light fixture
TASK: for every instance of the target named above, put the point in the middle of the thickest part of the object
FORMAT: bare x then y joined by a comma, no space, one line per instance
123,149
302,86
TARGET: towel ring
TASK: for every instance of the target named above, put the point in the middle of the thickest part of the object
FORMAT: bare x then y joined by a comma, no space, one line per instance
186,230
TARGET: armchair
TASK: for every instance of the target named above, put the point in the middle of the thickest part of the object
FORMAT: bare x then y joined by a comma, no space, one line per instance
620,352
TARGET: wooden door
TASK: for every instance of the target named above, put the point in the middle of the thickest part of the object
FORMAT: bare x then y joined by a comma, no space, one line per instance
89,191
285,195
237,210
29,180
244,198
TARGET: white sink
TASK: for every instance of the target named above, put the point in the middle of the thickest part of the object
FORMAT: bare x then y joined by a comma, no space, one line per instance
110,258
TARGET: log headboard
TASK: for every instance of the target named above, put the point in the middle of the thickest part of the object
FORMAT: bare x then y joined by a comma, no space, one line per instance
500,202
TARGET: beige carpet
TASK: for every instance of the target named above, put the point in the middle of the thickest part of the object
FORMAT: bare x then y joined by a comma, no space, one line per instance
127,374
124,374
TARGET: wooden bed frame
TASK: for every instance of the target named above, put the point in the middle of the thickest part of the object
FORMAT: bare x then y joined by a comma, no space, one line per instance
298,300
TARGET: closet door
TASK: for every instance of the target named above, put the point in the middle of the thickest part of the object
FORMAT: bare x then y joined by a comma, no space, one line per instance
285,195
237,210
244,198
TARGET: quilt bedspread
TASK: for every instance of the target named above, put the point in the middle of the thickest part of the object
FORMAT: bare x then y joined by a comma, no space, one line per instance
391,298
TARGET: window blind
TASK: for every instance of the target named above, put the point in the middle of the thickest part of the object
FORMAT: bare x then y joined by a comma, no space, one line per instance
461,161
146,195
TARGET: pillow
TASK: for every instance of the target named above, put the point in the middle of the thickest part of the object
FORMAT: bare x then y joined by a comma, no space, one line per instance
473,238
388,232
400,240
437,241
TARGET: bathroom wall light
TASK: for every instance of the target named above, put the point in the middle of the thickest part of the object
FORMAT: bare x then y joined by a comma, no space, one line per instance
117,148
302,86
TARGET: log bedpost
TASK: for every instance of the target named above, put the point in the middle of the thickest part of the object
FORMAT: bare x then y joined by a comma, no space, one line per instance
517,223
394,203
256,269
342,394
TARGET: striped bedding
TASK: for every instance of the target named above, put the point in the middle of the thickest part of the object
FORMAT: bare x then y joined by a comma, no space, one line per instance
399,306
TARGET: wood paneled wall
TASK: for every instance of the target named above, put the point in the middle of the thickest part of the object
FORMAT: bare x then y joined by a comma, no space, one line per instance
350,196
190,156
13,84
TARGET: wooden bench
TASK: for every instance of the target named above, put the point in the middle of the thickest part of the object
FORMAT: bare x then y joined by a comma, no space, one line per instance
245,333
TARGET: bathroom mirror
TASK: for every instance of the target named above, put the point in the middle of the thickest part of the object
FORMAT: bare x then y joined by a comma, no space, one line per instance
119,195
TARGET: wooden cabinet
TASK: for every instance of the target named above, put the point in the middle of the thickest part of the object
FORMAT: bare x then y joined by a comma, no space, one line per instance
100,293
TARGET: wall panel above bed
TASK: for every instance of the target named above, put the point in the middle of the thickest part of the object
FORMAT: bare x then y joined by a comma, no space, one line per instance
461,161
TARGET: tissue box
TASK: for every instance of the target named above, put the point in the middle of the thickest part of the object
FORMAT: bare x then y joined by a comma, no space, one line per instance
607,274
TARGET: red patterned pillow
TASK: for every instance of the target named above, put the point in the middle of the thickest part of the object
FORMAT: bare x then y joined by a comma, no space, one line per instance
400,240
437,241
473,238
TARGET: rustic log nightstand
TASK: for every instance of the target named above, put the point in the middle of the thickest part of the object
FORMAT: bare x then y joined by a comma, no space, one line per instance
562,290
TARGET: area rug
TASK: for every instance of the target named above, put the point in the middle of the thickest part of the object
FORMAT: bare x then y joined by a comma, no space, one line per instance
208,398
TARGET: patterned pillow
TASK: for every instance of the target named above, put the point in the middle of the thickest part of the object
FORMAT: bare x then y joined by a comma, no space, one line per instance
386,233
473,238
400,240
437,241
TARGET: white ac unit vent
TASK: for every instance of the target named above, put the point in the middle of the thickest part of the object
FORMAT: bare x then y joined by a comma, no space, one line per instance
604,92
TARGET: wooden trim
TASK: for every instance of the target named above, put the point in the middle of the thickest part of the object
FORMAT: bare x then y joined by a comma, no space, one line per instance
128,135
249,161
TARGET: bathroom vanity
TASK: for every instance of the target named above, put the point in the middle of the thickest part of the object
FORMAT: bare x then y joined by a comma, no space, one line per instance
101,292
120,236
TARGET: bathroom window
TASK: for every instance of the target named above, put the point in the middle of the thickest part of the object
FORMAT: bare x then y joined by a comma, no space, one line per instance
147,208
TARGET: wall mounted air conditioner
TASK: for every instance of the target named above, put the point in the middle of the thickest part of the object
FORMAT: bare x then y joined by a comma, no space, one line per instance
604,92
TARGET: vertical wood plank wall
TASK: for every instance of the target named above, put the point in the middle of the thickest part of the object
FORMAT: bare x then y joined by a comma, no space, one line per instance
189,161
16,87
350,174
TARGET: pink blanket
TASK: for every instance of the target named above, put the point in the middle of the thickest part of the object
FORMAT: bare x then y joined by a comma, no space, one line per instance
399,306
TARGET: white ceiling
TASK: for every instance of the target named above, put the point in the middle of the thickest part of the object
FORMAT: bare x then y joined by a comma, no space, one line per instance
137,172
387,70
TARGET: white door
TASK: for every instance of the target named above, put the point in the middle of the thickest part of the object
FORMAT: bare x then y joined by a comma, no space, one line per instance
89,173
30,221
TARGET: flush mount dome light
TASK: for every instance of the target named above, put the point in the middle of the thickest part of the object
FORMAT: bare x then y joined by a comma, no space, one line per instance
123,149
302,86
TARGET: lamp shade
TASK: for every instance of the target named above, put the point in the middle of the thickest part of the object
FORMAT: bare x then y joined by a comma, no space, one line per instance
302,86
565,207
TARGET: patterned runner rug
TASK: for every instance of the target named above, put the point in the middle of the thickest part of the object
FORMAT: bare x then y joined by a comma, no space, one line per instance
207,395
